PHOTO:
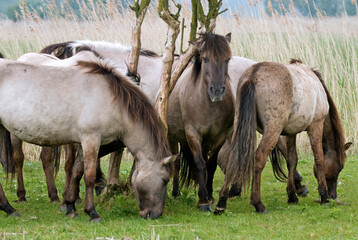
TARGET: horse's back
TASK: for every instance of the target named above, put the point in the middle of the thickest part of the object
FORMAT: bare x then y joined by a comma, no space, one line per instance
41,103
288,95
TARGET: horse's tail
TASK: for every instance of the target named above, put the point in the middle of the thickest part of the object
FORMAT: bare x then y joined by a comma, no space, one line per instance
188,167
60,50
241,159
276,162
57,159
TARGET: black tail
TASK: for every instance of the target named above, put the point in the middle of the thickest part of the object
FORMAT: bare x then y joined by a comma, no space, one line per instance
276,161
57,159
188,167
241,159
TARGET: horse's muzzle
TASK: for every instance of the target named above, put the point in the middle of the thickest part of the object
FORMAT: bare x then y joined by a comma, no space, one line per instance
217,93
147,213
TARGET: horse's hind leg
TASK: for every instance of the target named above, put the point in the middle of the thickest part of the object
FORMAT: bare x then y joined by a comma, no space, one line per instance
315,132
267,144
47,157
301,190
19,163
291,166
113,171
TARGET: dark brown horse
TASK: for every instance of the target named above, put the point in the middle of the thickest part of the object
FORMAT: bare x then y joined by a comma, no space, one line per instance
201,111
284,99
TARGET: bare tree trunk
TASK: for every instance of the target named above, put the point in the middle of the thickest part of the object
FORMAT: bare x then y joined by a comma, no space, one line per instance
140,11
168,58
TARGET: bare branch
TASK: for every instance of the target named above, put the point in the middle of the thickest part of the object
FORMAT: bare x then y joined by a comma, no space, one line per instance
140,11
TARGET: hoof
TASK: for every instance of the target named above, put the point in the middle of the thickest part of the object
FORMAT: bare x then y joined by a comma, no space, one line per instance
99,190
292,200
303,193
15,214
56,200
262,212
219,211
21,200
96,220
176,194
72,215
205,208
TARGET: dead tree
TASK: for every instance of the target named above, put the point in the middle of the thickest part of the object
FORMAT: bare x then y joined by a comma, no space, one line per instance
140,10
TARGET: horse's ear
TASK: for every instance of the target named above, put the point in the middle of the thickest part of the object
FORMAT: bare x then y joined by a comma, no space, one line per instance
228,37
347,145
169,160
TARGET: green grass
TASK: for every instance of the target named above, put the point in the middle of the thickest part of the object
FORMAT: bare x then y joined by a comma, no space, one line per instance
181,220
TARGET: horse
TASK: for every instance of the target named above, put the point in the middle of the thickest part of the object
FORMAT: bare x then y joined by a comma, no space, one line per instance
50,156
278,99
91,104
149,68
201,112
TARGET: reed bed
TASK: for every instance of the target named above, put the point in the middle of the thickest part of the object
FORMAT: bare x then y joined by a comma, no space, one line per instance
327,44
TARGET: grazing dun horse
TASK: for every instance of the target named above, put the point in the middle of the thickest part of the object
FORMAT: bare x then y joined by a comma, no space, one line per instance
282,99
91,104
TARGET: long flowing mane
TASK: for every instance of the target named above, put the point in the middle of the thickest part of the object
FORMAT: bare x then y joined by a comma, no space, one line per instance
215,47
337,127
136,103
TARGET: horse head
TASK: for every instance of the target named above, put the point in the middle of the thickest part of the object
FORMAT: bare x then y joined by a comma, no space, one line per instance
212,61
150,181
332,168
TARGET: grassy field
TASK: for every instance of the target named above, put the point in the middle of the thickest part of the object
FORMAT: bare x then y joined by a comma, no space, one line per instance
328,44
181,220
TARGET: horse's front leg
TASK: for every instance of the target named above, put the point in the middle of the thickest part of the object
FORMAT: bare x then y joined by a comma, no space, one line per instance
194,143
315,132
47,156
90,148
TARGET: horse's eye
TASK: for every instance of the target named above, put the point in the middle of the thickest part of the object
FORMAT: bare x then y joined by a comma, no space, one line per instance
205,59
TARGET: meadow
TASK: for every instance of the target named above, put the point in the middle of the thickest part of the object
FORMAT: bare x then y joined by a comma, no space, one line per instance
327,44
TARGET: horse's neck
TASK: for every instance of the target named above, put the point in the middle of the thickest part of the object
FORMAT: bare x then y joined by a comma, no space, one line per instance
139,142
119,56
329,143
